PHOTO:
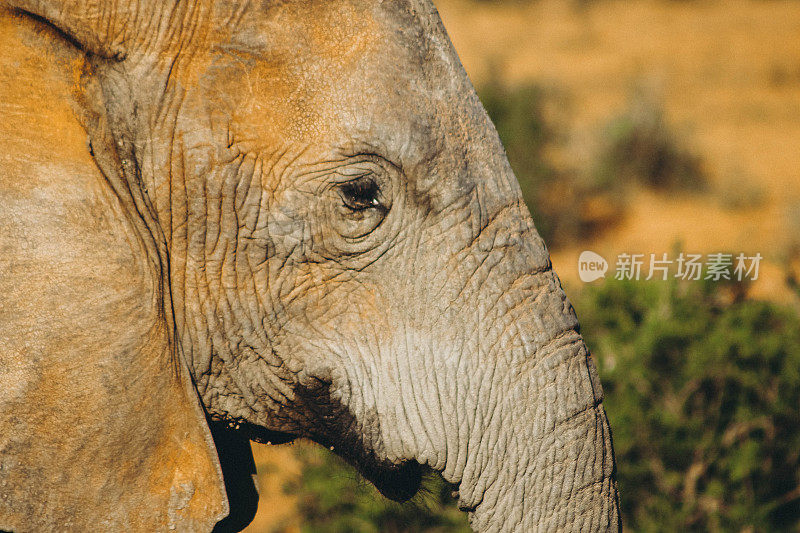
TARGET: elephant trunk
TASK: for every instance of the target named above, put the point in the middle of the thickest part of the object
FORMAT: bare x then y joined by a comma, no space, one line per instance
553,461
539,457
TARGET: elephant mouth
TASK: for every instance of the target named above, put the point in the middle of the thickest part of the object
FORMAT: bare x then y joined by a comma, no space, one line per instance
331,424
397,482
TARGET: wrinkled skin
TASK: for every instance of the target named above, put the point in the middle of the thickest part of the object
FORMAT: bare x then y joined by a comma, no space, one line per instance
299,213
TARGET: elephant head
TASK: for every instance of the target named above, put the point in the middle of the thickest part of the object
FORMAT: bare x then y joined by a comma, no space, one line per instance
341,250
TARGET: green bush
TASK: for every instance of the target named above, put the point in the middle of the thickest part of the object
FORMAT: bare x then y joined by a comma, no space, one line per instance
703,395
641,147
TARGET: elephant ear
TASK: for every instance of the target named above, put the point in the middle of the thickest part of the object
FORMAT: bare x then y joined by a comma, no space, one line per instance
100,426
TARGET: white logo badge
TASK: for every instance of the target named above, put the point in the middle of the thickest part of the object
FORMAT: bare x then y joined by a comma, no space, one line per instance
591,266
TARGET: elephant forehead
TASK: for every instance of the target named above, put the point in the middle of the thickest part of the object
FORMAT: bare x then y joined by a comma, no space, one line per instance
285,68
285,29
324,72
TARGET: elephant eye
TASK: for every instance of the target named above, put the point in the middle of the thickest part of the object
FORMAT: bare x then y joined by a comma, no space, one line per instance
361,194
358,198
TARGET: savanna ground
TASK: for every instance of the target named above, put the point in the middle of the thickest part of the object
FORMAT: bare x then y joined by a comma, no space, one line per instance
710,89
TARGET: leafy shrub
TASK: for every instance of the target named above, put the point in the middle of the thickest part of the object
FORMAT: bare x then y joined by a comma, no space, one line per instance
641,147
703,395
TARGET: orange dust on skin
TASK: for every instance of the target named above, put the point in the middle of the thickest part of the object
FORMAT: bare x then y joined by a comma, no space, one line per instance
77,374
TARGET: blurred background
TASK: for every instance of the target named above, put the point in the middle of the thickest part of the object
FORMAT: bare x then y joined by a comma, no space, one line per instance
638,126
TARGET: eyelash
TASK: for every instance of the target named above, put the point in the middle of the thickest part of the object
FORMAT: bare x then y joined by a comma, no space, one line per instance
360,194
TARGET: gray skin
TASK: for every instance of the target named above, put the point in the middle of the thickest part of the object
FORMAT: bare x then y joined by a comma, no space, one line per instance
299,213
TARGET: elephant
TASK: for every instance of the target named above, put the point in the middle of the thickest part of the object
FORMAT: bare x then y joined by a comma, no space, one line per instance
271,220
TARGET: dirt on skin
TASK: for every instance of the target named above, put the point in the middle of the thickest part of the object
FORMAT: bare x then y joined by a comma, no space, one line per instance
728,73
